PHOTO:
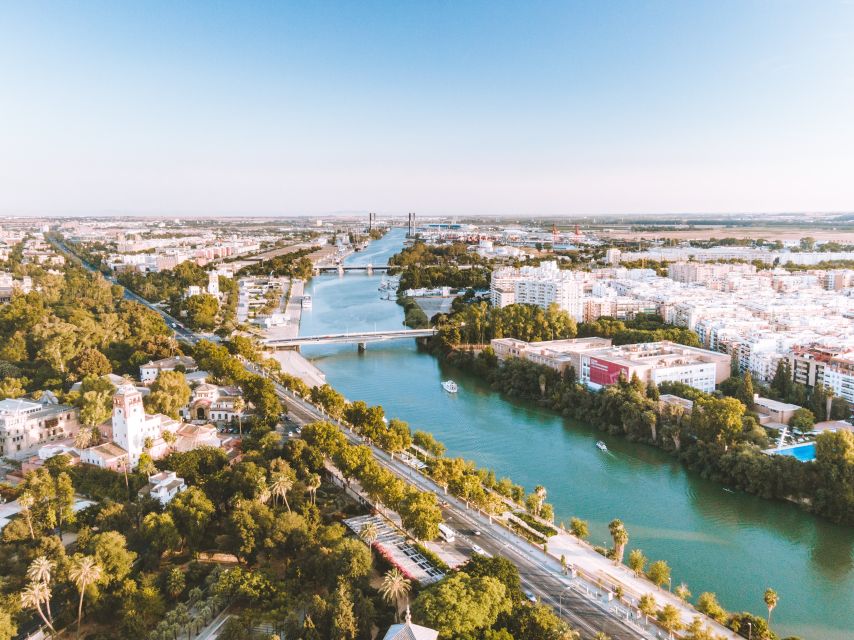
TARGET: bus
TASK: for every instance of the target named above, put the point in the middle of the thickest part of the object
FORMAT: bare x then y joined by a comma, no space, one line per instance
446,533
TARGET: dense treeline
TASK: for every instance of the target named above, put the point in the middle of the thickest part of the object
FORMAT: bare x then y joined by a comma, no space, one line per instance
74,325
289,265
423,265
200,312
478,323
719,438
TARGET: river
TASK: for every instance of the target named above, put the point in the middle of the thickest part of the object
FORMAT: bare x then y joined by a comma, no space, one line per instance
733,544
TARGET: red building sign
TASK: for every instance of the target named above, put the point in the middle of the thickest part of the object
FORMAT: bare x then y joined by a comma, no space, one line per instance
603,372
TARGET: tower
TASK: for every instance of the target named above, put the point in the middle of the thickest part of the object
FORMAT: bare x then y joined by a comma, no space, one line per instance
372,218
129,421
411,225
213,283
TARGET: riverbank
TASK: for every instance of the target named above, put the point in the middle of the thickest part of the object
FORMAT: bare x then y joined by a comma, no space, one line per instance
733,544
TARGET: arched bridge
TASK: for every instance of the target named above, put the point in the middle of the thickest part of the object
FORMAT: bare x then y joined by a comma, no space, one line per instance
361,338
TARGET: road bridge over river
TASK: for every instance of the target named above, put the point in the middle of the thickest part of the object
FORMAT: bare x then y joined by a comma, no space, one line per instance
361,338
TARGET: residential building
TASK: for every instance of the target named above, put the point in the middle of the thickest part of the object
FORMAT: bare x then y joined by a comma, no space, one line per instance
839,376
163,487
543,286
27,425
148,372
655,362
556,354
773,413
212,403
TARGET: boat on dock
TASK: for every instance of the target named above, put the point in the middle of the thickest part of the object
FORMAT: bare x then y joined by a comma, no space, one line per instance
306,302
601,445
450,386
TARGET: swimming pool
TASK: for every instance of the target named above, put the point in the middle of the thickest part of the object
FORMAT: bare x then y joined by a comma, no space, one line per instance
803,452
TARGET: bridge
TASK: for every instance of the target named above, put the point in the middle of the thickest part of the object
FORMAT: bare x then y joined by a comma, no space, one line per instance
341,269
361,338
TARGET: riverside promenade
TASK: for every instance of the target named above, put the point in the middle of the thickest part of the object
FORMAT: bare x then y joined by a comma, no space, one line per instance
584,591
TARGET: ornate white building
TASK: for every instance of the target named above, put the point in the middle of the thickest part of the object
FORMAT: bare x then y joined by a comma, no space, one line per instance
135,431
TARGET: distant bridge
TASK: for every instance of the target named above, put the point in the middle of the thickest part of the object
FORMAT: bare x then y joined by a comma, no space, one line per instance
342,269
361,338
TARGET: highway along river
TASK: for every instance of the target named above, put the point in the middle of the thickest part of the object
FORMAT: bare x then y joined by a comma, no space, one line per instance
733,544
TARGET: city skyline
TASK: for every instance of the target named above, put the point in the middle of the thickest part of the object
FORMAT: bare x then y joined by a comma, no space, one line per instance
444,109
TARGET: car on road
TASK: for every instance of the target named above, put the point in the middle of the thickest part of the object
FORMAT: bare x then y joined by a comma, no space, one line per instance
475,532
479,550
290,434
531,596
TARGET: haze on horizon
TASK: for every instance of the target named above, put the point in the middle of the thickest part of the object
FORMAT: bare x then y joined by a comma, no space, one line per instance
543,108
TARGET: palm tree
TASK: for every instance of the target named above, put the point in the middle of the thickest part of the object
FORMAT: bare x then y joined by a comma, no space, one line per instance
540,493
621,539
369,533
313,485
84,571
40,571
83,438
26,501
682,592
32,597
394,588
771,600
239,405
279,487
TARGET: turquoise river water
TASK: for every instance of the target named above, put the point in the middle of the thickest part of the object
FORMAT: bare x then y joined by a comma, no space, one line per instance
733,544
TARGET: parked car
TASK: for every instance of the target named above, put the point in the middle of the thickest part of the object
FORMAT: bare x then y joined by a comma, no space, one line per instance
530,596
478,550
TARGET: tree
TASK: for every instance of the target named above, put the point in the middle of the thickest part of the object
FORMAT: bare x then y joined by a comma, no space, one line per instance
344,624
579,528
176,582
90,362
620,537
637,561
707,603
11,388
421,515
682,592
33,596
647,605
280,484
369,533
782,383
745,391
771,600
63,500
40,571
313,484
802,420
717,419
460,604
201,311
8,628
239,405
191,511
669,619
160,532
395,589
333,402
112,556
169,393
83,438
84,571
659,572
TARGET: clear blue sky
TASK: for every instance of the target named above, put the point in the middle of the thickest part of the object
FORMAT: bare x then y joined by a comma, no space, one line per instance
434,107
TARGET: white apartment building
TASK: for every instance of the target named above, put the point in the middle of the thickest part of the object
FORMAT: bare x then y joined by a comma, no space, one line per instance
26,425
540,286
163,487
148,372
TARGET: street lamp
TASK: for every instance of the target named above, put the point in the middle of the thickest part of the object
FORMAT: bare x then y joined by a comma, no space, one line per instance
749,631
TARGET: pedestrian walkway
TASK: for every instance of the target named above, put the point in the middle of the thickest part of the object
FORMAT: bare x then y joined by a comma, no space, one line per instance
394,547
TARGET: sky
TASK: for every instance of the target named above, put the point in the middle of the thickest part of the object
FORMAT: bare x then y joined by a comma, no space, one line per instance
438,107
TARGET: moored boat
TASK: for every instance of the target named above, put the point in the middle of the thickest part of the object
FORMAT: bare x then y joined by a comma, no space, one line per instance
601,445
450,386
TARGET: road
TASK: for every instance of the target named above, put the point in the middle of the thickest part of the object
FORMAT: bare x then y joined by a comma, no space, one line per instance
538,573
